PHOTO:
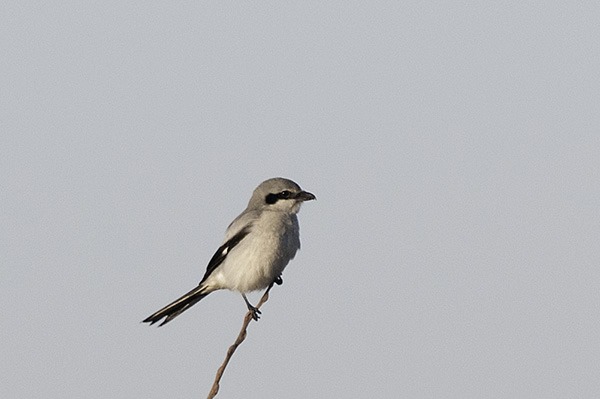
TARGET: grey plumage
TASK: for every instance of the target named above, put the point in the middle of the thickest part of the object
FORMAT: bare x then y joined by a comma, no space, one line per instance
258,245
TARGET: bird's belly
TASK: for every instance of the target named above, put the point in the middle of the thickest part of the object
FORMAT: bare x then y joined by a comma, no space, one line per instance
255,265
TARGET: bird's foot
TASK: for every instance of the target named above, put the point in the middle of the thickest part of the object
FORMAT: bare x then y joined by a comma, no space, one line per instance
255,312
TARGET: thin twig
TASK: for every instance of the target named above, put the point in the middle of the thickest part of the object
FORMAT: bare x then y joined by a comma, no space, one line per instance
240,338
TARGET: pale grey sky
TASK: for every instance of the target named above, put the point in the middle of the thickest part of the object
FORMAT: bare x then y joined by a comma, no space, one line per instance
453,147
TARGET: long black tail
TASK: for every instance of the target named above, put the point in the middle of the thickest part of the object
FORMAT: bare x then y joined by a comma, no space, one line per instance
177,307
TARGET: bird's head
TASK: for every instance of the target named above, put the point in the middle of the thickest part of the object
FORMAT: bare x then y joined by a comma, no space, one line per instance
279,194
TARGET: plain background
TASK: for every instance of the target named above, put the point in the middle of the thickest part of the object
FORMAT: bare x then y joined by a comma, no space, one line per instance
453,147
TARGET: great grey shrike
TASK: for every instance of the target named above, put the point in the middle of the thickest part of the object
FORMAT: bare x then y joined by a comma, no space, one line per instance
258,245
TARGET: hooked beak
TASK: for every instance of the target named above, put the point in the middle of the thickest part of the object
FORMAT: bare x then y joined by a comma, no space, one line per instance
305,196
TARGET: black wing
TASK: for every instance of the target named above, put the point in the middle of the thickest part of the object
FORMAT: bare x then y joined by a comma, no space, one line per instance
223,250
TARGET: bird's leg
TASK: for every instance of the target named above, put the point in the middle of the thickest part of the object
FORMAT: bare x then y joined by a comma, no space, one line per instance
278,280
255,312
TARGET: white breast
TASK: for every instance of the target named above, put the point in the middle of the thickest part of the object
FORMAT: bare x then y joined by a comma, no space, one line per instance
261,256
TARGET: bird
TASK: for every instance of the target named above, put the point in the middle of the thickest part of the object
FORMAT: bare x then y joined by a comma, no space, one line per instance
258,245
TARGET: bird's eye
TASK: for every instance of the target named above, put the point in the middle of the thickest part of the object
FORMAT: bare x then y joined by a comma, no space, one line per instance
285,194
